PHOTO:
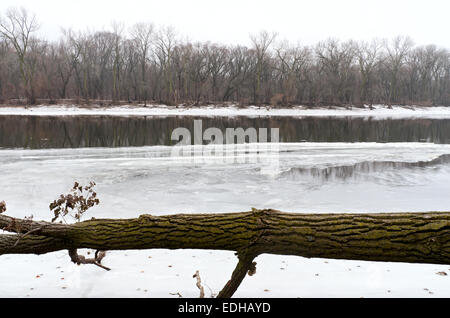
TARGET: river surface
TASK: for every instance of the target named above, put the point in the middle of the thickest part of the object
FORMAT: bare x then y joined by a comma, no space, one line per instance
38,132
321,165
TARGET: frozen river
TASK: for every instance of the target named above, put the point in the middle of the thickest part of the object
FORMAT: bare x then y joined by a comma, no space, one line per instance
310,177
340,176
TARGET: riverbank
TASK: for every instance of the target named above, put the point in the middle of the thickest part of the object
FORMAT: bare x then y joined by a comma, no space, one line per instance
377,111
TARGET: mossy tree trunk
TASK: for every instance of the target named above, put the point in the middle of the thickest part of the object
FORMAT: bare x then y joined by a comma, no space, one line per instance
390,237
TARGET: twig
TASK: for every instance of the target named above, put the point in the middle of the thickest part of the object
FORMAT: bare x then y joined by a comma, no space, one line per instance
80,259
22,236
199,284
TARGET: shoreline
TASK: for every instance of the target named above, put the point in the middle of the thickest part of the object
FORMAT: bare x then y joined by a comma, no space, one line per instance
378,111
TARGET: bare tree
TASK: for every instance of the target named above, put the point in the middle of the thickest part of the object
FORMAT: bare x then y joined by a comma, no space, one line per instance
143,35
336,59
165,44
291,68
118,29
4,54
368,55
67,59
261,43
17,27
237,69
397,51
216,62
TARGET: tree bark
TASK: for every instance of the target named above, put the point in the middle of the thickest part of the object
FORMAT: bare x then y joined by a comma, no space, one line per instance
390,237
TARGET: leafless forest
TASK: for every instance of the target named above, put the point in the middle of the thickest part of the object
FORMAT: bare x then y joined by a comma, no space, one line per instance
145,63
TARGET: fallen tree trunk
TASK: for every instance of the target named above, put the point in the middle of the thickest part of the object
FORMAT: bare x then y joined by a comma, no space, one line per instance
390,237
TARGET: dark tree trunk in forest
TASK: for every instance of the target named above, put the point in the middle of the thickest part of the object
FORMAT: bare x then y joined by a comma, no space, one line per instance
390,237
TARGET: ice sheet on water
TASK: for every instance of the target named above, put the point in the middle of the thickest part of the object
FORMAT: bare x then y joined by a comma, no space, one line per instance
308,177
132,181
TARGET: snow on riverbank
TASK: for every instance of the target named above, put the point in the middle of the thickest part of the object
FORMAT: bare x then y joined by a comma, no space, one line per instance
378,111
164,273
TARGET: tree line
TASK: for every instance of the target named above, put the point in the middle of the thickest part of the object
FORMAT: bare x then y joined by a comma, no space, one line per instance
149,64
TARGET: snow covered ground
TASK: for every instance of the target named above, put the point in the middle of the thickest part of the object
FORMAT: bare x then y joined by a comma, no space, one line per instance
309,177
164,273
379,111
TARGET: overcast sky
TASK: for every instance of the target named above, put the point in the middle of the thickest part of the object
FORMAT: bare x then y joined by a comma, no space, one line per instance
231,21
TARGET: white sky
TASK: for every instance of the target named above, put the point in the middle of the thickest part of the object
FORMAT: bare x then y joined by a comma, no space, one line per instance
231,21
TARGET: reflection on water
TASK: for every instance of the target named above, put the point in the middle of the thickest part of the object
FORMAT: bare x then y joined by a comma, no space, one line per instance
361,169
103,131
